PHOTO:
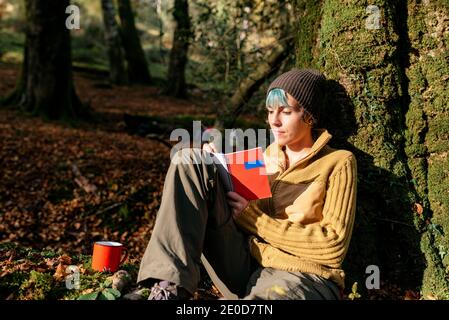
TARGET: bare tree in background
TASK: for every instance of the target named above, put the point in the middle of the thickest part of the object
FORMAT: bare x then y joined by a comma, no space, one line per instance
117,70
176,83
138,71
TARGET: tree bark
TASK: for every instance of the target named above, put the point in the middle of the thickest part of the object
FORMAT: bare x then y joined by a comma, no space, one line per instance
138,71
308,13
176,83
427,134
45,86
364,59
117,69
395,121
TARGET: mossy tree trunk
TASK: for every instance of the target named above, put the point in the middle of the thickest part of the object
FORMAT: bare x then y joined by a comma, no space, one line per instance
309,18
365,61
395,121
45,87
138,71
176,81
427,133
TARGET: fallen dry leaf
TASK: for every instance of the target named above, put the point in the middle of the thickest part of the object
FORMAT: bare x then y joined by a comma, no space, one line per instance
65,259
51,262
86,291
411,295
418,209
60,274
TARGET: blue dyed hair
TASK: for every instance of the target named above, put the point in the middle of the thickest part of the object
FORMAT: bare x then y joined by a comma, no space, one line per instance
276,98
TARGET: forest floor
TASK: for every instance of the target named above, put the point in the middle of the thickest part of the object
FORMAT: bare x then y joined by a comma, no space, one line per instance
65,187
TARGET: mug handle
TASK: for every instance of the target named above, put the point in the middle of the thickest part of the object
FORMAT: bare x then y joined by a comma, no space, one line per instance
125,256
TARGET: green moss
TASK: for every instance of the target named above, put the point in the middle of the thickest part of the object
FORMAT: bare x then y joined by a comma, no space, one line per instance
433,285
438,193
365,62
438,134
11,283
38,286
309,13
427,136
363,59
418,168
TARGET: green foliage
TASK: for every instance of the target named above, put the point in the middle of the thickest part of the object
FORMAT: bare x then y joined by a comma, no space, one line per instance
232,38
41,284
35,275
124,213
104,292
13,283
11,46
219,46
89,47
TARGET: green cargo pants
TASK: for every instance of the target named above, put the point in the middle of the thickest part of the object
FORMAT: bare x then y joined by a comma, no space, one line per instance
194,225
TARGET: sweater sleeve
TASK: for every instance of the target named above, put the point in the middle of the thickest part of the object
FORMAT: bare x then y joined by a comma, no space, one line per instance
325,242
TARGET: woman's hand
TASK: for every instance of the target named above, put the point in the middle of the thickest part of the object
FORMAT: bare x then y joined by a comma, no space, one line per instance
210,147
237,203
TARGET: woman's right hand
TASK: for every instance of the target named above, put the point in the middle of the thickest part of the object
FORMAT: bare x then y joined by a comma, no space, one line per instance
210,147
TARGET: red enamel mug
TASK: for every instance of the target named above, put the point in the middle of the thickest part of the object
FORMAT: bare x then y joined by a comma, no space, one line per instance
107,256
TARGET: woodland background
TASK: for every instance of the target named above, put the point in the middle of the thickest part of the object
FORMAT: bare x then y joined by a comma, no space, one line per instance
86,115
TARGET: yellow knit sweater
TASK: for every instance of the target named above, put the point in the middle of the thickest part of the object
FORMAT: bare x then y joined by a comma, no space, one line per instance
307,224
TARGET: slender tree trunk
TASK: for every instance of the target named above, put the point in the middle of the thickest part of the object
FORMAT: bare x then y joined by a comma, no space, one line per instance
117,69
45,86
176,83
138,71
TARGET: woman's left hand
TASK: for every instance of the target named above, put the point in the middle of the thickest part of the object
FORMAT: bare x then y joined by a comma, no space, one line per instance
237,203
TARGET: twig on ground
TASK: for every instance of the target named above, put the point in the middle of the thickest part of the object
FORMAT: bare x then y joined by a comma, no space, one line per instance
82,181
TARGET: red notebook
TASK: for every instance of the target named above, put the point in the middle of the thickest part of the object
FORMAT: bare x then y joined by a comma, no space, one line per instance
244,172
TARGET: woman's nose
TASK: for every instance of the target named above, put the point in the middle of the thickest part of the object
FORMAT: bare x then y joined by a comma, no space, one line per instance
275,121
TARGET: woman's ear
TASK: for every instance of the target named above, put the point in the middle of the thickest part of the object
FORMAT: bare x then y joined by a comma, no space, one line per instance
308,118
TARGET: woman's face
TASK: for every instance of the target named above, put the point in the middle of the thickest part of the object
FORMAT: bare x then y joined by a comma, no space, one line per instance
287,124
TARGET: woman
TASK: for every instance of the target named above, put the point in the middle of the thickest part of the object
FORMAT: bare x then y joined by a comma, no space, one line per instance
290,246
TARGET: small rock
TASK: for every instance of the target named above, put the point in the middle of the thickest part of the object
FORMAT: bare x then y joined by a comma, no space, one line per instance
120,280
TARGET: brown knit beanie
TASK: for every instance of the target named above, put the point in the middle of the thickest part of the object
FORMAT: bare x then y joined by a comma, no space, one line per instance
305,85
